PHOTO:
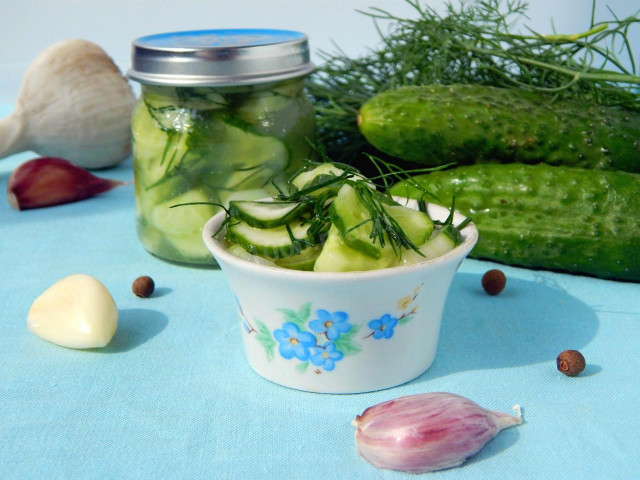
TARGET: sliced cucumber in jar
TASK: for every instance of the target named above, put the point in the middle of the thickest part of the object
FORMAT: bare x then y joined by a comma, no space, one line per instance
182,225
228,196
262,110
157,150
202,98
249,160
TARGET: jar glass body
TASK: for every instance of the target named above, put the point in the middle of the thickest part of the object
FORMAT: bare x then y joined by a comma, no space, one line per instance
194,147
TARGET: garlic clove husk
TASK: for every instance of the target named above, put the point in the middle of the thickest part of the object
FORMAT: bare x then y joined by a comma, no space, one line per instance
75,312
427,432
47,181
73,103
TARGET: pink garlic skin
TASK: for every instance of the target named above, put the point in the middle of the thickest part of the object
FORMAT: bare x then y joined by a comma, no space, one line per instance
48,181
427,432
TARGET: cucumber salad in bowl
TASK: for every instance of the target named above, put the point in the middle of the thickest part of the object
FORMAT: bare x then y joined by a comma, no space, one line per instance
333,219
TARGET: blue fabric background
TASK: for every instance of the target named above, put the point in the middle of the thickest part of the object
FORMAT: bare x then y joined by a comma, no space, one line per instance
172,395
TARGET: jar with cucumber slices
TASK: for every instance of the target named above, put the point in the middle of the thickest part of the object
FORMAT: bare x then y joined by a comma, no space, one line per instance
222,116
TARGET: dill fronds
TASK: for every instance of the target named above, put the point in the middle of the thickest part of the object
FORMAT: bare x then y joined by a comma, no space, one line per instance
471,43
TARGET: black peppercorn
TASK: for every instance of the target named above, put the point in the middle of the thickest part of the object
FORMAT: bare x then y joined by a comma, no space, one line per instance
494,282
143,286
570,362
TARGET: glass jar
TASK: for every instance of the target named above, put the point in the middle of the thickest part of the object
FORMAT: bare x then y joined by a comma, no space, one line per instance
222,116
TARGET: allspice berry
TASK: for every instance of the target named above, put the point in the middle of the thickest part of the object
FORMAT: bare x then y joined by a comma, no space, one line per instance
570,362
494,282
143,286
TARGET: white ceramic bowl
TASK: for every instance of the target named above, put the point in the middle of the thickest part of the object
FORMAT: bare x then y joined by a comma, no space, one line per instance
341,332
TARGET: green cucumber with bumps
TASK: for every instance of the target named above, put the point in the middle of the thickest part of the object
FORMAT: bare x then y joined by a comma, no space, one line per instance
465,124
541,216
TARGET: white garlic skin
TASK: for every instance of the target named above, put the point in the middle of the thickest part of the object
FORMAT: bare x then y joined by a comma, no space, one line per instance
426,432
75,312
73,103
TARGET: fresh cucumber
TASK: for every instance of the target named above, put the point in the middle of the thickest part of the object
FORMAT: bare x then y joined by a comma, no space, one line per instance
439,124
540,216
272,243
264,214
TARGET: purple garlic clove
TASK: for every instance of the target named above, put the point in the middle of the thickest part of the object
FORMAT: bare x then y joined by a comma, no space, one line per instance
427,432
47,181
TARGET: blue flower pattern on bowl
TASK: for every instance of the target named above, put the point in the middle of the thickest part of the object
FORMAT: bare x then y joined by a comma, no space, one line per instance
383,327
326,356
330,324
293,342
328,337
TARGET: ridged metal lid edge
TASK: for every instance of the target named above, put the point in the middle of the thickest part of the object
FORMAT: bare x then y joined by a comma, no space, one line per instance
220,57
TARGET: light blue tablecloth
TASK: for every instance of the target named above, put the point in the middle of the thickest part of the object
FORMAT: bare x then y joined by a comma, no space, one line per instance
172,395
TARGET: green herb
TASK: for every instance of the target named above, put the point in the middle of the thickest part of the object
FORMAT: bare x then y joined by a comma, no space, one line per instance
472,43
384,226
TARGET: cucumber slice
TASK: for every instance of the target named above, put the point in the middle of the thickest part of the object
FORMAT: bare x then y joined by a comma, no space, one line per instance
273,243
416,225
348,214
185,219
267,214
182,226
442,241
305,260
353,221
260,109
316,175
336,256
228,196
439,244
240,252
157,150
246,160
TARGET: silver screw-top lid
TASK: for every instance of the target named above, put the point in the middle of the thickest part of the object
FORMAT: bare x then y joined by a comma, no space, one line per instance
220,57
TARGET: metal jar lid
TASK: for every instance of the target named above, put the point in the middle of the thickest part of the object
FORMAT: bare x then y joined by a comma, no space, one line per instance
220,57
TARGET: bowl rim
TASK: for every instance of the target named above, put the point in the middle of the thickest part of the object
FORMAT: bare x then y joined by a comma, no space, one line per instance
469,235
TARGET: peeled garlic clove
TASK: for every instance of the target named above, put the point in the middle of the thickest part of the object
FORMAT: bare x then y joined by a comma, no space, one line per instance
426,432
73,103
75,312
47,181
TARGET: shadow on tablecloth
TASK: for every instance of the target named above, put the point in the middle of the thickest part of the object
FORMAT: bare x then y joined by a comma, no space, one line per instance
135,327
529,322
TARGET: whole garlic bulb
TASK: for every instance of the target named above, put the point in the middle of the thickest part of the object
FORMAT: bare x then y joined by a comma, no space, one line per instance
73,103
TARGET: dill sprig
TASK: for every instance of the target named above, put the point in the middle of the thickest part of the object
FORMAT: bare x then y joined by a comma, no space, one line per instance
472,43
383,225
372,192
